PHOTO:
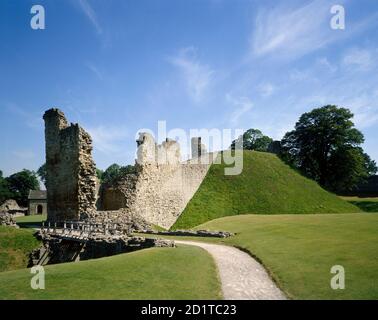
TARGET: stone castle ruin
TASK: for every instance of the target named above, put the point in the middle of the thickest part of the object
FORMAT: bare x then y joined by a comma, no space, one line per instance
86,221
71,172
157,192
162,185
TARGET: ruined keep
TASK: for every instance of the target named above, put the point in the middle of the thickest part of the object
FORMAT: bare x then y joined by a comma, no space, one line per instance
157,192
71,172
162,185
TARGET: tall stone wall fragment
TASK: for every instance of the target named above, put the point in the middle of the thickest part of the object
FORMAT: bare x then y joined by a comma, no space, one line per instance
71,172
162,186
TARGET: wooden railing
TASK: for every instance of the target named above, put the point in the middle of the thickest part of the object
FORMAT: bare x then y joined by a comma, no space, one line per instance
80,229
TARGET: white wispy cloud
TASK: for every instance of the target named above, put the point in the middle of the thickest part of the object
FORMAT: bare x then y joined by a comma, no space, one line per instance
362,59
365,109
324,62
241,105
266,89
31,119
299,75
108,139
90,14
293,32
197,76
94,69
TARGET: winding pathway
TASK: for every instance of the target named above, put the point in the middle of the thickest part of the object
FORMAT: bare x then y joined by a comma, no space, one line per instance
242,276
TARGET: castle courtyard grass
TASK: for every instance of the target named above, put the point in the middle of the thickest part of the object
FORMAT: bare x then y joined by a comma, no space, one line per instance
158,273
299,251
32,221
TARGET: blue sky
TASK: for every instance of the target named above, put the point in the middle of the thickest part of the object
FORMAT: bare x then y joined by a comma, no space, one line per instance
117,66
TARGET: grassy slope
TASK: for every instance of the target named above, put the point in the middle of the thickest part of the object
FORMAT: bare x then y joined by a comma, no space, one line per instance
299,251
365,204
265,186
158,273
15,245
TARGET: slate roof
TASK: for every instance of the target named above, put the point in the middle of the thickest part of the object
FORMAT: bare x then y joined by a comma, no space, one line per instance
37,195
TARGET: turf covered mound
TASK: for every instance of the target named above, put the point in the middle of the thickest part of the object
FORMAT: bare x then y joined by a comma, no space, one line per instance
15,246
266,186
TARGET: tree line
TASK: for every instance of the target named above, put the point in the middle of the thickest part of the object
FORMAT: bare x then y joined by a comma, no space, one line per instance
324,146
18,185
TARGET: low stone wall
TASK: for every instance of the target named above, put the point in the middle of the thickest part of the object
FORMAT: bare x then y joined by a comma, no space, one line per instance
6,219
58,249
123,218
191,233
12,209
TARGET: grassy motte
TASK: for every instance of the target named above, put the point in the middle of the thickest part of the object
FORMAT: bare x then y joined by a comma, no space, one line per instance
15,246
299,251
157,273
365,204
265,186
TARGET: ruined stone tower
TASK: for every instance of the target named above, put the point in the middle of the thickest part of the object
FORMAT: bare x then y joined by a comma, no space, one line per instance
71,172
162,185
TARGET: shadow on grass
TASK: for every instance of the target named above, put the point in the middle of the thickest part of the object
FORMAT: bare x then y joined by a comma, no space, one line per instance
29,224
367,206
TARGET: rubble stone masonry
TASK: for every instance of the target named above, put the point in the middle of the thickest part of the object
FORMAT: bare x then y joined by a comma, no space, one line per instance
162,186
158,191
71,172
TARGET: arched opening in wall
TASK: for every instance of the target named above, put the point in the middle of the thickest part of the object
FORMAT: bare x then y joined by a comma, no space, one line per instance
39,209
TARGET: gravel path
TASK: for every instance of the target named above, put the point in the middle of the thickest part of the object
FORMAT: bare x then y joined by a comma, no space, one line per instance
242,276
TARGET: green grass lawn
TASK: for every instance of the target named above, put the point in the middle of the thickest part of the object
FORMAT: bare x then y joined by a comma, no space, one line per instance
33,221
157,273
265,186
15,245
299,250
365,204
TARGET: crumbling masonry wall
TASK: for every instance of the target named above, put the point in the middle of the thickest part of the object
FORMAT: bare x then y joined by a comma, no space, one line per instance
71,172
162,186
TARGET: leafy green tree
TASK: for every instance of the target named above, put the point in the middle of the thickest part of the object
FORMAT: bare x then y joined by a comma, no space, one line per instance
115,172
5,193
21,183
42,173
111,173
99,174
254,139
125,170
325,146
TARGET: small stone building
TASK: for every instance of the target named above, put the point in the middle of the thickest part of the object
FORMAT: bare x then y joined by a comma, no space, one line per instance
37,202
